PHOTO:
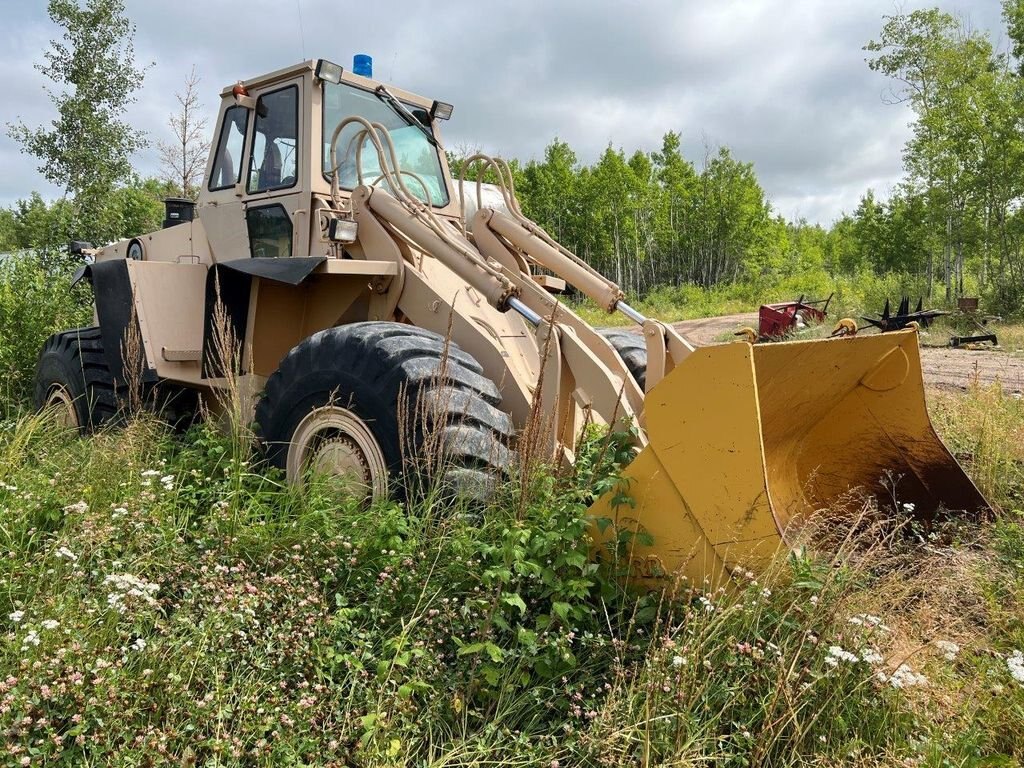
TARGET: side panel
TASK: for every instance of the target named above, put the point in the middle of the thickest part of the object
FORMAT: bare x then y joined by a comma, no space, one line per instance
184,242
169,300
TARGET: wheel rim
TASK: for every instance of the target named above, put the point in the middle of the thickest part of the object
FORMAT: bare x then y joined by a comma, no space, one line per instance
62,405
334,441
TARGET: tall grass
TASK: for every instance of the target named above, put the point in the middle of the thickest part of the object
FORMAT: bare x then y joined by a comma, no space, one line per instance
164,603
985,430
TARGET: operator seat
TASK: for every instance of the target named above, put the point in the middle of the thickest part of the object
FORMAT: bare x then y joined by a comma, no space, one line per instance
270,168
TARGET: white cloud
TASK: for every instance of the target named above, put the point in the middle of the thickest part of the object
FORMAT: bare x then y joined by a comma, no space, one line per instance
781,82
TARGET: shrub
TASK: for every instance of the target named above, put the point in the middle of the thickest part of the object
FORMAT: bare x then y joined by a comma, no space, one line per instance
36,299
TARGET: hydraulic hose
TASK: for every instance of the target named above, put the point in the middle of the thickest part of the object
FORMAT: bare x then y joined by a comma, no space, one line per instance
391,172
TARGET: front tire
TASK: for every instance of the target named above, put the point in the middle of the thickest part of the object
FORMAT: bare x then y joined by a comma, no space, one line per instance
632,350
73,379
386,406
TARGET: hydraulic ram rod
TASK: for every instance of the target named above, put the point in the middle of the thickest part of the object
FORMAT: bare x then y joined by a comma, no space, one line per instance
575,272
495,288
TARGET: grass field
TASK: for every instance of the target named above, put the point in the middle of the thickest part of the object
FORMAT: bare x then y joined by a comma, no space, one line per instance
165,601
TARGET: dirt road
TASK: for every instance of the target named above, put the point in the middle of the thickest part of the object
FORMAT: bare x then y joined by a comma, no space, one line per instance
943,367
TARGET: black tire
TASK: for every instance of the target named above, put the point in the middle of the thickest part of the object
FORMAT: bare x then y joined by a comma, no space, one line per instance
75,360
632,350
379,370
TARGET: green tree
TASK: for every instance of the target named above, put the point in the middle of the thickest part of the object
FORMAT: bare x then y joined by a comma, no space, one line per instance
8,241
733,222
86,149
1013,15
552,187
964,158
678,180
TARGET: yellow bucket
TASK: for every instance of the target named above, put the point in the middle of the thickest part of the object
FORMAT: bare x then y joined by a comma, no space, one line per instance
745,439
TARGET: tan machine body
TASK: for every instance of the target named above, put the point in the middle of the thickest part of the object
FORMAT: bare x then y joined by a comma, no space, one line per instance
735,441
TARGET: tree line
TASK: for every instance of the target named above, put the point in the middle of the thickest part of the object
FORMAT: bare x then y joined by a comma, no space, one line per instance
646,219
654,219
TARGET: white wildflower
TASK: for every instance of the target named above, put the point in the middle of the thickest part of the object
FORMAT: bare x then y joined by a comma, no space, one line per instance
814,599
125,585
149,473
118,513
32,638
839,654
16,616
1015,663
948,649
66,554
871,656
869,621
138,644
708,605
908,507
905,677
50,624
678,661
78,508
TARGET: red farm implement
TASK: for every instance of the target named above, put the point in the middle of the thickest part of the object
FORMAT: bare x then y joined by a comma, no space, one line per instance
776,321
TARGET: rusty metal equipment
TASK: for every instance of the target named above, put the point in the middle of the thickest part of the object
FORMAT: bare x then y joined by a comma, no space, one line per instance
887,321
776,321
983,338
968,309
334,283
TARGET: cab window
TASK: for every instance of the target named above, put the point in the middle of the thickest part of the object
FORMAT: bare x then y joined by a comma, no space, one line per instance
274,157
227,162
416,154
270,232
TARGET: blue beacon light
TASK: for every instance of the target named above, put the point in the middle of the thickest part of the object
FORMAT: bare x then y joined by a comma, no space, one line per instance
362,64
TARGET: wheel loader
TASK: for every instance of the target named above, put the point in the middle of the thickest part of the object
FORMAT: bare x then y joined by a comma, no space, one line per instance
360,283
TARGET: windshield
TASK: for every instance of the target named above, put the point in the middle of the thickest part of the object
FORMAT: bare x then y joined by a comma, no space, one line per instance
414,150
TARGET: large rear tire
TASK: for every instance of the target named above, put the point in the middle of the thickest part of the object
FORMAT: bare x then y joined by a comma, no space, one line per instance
632,350
390,408
73,379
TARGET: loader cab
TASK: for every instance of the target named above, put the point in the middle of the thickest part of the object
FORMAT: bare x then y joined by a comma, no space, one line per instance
269,170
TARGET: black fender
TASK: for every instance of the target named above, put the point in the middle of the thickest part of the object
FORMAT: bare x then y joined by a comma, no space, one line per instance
115,309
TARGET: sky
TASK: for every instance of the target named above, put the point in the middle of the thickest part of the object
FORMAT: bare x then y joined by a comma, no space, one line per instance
782,83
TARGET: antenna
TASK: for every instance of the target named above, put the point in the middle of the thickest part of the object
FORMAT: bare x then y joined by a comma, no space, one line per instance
302,34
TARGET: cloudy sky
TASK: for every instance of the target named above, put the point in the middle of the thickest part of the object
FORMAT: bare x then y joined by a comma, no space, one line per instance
781,82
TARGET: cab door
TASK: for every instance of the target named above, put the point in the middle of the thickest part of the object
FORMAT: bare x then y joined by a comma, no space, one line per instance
220,203
275,207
